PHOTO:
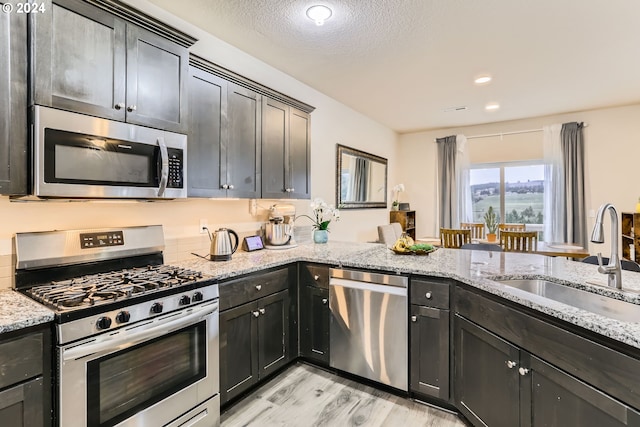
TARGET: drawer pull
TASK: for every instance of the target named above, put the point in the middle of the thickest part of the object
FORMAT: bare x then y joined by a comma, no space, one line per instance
255,313
262,311
324,301
316,277
258,287
511,364
414,318
428,295
523,371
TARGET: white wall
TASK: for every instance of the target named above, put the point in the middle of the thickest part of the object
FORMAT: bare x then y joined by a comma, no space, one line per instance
612,150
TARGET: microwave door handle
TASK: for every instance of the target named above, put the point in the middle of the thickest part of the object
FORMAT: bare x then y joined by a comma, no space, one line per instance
164,172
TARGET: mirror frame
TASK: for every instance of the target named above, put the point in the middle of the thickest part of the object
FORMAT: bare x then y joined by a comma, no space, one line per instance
340,151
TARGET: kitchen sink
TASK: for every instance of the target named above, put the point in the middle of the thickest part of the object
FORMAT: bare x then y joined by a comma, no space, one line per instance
598,304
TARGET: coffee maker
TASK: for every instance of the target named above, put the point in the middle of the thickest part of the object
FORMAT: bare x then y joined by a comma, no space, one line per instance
278,231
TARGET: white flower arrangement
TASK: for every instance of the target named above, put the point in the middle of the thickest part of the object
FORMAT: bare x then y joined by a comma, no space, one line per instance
397,189
323,214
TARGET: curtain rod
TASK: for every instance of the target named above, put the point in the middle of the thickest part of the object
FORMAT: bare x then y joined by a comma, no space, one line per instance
501,134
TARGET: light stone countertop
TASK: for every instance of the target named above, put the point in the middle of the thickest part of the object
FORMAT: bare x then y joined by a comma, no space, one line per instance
475,268
18,312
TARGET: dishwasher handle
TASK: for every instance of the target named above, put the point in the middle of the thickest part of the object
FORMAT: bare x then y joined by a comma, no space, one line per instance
365,286
370,277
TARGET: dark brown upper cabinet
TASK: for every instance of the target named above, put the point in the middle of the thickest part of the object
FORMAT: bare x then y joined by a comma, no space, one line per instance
89,60
13,108
286,147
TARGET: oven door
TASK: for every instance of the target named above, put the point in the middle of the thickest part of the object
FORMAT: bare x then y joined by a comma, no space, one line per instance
151,373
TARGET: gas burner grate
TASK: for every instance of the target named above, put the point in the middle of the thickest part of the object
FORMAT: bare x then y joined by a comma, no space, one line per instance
86,291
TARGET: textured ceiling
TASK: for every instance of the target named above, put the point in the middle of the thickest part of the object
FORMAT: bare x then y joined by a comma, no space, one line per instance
403,62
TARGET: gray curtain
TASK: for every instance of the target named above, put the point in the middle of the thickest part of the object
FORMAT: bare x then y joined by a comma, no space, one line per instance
572,146
447,177
361,180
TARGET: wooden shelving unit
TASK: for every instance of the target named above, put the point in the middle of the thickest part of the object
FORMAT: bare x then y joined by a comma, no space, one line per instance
630,230
407,220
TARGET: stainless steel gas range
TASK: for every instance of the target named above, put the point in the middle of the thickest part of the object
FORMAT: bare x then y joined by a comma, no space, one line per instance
136,340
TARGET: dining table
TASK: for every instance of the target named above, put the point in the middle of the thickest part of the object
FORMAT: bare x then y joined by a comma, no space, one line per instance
569,250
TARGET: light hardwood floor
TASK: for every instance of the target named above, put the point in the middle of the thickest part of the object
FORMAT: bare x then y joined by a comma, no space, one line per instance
304,396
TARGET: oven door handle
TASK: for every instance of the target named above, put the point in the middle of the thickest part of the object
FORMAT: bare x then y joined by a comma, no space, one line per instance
164,171
124,339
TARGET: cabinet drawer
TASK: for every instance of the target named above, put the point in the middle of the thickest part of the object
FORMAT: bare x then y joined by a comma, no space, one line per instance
246,289
431,293
21,358
314,275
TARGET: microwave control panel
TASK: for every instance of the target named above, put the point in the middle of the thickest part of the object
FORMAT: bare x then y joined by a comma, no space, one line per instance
99,240
175,169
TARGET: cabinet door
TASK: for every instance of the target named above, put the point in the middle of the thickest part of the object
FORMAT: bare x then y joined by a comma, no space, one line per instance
207,130
79,58
299,173
156,81
429,348
558,399
13,108
22,405
486,384
273,332
314,324
238,350
241,150
275,141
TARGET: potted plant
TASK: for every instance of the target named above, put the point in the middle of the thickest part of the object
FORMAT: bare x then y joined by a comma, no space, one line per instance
491,220
396,199
323,214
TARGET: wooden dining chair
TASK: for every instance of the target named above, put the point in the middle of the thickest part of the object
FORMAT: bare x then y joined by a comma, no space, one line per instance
505,226
519,241
477,229
454,238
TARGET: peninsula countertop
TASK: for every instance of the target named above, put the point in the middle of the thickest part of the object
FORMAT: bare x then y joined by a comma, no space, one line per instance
18,311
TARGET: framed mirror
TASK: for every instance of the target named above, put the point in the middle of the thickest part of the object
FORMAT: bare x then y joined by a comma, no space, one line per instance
361,179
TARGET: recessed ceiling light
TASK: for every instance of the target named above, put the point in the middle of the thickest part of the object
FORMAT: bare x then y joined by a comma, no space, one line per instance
493,106
319,13
482,80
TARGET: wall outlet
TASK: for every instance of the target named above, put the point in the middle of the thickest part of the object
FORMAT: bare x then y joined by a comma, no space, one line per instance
253,207
204,225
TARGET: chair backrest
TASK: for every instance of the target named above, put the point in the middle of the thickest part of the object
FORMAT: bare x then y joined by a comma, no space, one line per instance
482,247
519,241
504,226
477,229
389,233
454,238
626,264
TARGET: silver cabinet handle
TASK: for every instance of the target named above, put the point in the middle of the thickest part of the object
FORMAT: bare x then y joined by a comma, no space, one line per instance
324,301
511,364
255,313
316,277
262,311
414,318
293,190
230,186
119,106
164,172
131,108
225,186
523,371
428,295
258,287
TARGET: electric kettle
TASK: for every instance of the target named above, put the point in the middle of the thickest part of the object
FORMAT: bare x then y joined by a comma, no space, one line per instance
221,248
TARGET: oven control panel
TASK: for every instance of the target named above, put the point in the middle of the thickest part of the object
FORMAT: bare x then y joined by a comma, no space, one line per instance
99,240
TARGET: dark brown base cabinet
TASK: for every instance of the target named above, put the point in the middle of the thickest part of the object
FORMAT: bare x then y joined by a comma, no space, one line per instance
25,378
314,313
254,336
429,338
499,384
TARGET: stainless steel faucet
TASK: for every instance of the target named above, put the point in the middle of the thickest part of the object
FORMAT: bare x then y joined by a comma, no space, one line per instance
614,269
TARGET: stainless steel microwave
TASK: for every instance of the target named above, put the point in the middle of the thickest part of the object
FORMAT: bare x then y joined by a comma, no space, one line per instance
79,156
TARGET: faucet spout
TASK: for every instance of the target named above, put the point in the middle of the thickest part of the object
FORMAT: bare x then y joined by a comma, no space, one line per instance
613,269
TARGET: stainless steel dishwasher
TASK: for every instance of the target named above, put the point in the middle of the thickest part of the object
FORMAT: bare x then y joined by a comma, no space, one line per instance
369,326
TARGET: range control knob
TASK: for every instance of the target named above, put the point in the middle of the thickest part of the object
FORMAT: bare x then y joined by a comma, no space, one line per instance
197,297
123,317
103,323
156,307
184,300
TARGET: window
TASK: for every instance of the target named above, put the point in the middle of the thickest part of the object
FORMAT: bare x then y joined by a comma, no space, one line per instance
514,189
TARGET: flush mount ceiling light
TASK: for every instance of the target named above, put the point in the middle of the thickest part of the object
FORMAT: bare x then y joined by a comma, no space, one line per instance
319,13
482,80
493,106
